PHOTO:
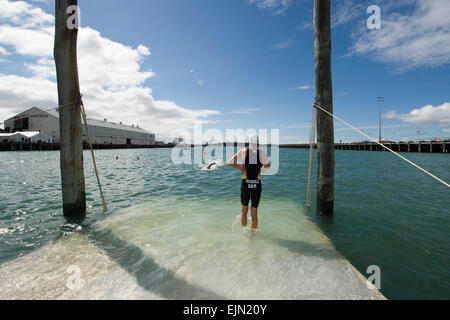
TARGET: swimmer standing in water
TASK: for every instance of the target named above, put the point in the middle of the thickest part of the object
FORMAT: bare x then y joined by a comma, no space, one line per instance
254,161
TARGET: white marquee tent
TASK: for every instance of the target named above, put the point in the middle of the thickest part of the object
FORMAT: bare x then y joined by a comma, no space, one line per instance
33,136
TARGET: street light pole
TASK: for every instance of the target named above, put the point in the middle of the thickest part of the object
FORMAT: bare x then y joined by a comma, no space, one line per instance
380,100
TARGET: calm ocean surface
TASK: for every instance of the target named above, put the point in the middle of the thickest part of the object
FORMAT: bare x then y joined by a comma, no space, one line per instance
387,213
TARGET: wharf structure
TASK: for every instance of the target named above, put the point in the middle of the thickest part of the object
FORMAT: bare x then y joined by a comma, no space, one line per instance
100,132
412,146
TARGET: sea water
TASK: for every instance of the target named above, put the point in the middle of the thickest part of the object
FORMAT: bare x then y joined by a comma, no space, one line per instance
173,231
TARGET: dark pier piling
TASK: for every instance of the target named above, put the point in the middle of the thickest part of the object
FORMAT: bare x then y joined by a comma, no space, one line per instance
417,146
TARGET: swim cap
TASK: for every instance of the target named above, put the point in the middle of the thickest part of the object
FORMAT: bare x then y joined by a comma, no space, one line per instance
254,139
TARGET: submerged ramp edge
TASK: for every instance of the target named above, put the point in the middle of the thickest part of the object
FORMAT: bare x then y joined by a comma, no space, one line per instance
160,252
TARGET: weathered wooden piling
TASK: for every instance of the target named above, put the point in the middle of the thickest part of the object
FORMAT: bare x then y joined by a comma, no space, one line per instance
65,54
324,98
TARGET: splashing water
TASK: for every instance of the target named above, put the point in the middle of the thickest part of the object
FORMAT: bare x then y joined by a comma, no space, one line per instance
237,220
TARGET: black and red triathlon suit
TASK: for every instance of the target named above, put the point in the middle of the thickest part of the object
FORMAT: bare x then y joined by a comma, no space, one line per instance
251,187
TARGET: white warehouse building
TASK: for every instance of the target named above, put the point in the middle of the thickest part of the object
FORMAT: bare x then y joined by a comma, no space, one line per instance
100,132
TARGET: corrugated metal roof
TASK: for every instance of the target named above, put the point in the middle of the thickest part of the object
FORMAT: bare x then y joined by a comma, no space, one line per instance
106,124
34,111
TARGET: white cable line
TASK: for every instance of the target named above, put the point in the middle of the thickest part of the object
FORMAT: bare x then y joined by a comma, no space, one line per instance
312,138
374,140
83,114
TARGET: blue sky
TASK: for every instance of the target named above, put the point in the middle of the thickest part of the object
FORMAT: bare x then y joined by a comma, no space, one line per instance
238,64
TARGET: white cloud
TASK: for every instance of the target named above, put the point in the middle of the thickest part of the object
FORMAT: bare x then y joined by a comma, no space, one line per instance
305,87
27,41
3,51
426,114
306,25
108,63
23,14
111,76
42,68
19,93
200,82
347,11
282,44
246,110
274,6
343,12
418,37
390,115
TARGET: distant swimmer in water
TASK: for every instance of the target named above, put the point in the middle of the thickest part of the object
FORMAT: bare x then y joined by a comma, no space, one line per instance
209,167
117,158
254,161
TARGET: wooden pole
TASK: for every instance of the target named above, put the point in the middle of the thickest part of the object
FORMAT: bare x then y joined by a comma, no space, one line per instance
324,98
71,150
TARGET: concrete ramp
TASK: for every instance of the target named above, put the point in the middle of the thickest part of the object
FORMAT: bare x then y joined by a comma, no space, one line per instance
151,252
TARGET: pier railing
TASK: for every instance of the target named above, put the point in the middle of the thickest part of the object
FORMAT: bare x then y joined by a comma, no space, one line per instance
418,146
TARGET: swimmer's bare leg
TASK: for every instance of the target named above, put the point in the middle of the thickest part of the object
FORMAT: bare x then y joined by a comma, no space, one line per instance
244,216
254,219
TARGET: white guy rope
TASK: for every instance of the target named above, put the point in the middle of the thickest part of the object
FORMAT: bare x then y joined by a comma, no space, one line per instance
385,147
